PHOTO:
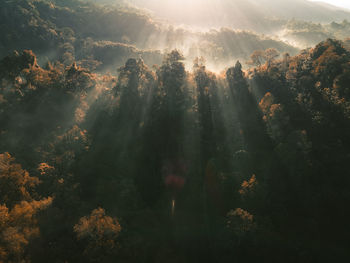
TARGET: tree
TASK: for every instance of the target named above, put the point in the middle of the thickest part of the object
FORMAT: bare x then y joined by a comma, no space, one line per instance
99,234
240,223
18,212
270,55
257,58
16,184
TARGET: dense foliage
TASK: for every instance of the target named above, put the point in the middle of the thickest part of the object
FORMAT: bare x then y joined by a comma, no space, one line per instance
171,165
118,144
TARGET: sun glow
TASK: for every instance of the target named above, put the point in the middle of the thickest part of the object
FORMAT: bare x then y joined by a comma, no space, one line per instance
340,3
195,13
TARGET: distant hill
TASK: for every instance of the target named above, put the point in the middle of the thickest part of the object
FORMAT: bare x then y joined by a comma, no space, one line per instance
259,15
104,37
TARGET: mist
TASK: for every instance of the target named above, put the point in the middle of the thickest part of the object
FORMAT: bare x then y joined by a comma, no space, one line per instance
174,131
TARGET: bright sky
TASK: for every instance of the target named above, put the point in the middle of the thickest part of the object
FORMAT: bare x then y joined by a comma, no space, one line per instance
341,3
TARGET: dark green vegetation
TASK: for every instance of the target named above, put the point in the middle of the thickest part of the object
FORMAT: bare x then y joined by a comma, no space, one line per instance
256,162
167,162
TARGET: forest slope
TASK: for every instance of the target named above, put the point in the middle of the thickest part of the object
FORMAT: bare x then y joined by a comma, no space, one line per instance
165,163
100,37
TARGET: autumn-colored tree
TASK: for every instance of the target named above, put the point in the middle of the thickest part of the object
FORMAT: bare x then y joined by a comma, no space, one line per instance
99,234
18,211
18,226
128,142
275,117
240,223
16,184
257,58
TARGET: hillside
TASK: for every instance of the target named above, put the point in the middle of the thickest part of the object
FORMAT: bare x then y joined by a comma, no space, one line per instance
242,153
258,15
125,137
102,37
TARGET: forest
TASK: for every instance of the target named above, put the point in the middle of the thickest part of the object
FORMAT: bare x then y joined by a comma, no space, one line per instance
114,151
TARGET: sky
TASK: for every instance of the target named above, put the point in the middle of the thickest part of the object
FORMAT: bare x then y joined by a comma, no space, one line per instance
341,3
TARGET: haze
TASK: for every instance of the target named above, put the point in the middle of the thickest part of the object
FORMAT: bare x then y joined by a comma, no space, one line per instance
340,3
240,14
179,131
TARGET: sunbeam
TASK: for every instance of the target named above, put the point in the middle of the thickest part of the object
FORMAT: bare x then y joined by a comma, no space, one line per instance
174,131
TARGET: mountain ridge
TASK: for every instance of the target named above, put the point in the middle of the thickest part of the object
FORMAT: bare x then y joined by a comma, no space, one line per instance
243,14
